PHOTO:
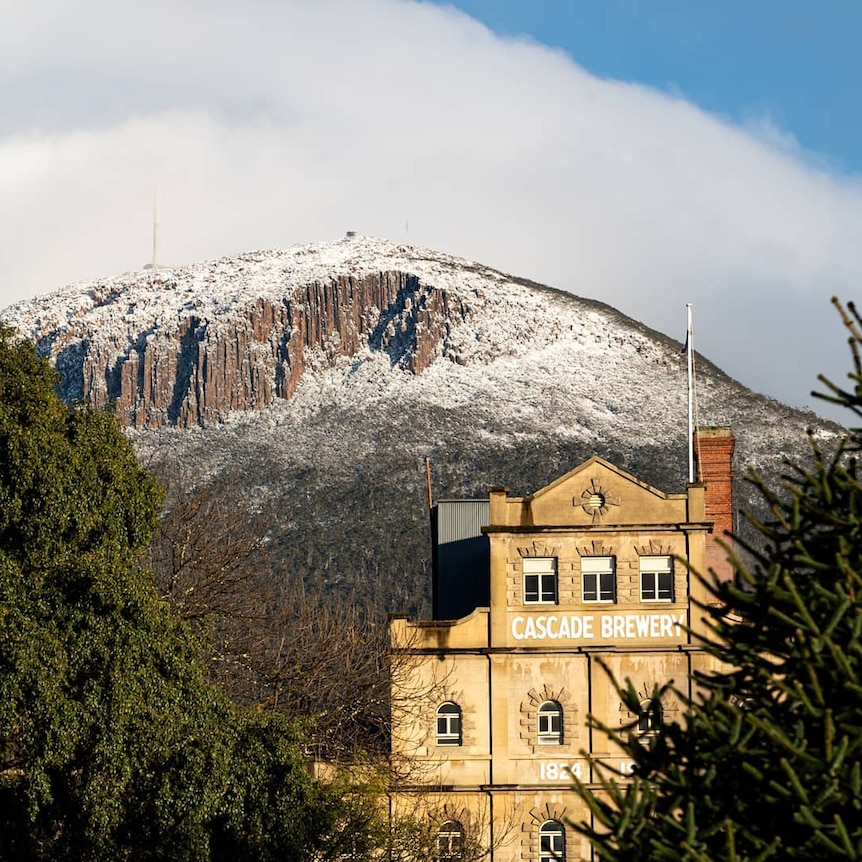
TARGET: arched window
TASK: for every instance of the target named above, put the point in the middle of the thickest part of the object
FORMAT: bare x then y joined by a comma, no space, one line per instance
649,722
449,724
450,840
550,723
552,842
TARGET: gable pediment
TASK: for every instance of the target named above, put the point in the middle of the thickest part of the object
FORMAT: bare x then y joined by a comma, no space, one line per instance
598,493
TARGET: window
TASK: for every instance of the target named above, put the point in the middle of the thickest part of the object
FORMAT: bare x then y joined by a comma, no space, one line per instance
550,723
649,723
552,842
599,579
449,724
449,840
540,580
656,579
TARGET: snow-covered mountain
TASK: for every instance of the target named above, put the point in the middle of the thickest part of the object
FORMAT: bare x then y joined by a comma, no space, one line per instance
324,374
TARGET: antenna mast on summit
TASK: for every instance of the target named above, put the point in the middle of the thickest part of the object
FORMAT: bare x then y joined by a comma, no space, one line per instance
156,228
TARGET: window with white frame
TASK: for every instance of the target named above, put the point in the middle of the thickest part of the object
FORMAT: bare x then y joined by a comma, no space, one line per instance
552,842
540,580
450,840
449,724
656,579
599,579
550,717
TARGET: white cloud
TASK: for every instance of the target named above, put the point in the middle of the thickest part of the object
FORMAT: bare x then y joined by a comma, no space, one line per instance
269,123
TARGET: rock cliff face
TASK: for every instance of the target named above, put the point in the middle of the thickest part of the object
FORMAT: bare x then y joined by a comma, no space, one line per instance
373,356
195,369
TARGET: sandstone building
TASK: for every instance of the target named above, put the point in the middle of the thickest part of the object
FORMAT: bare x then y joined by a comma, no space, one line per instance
490,705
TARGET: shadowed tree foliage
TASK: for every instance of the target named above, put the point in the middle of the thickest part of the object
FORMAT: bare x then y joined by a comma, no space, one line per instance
113,741
767,762
274,643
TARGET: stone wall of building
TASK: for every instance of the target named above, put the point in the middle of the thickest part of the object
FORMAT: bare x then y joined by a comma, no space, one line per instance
553,650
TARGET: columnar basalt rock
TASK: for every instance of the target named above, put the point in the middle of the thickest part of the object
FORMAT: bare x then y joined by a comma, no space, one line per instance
196,370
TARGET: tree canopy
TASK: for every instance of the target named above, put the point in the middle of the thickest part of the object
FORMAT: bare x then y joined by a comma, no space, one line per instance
767,761
113,741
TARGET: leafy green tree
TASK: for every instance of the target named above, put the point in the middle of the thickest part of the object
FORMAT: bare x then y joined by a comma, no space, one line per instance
113,742
767,762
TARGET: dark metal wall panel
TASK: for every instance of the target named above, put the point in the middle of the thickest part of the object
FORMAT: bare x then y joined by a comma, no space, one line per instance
462,563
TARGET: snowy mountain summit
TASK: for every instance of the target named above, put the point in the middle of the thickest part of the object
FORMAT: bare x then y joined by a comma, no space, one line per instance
317,379
190,346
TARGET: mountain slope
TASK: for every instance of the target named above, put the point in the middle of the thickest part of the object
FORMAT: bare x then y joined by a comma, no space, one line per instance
323,375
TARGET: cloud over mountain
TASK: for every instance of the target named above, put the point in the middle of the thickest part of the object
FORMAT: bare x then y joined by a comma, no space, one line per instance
265,124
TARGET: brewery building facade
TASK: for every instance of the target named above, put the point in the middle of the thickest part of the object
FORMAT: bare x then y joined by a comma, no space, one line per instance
491,697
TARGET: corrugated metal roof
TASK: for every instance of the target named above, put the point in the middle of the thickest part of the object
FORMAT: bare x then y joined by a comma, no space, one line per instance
461,519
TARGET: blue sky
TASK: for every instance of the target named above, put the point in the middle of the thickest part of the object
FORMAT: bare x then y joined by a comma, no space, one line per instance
797,62
645,155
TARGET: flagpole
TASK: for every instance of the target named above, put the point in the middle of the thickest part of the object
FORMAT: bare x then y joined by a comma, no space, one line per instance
689,343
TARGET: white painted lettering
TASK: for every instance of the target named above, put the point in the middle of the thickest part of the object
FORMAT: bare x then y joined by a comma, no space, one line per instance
516,624
611,626
559,771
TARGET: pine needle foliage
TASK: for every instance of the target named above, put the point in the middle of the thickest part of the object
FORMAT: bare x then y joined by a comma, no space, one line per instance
767,761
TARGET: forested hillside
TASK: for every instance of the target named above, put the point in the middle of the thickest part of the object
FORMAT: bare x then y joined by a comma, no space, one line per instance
311,383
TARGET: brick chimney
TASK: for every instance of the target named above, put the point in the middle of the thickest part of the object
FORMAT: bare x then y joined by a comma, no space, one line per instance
713,450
